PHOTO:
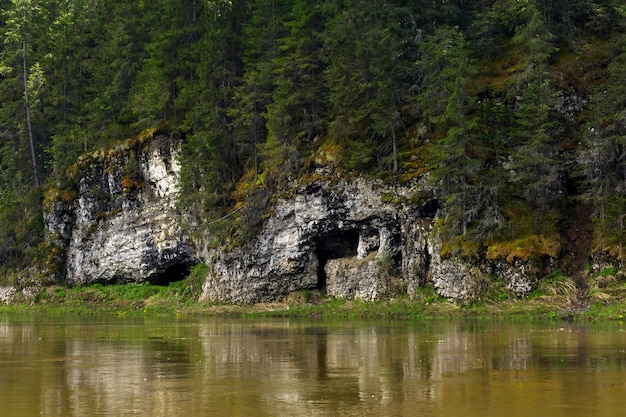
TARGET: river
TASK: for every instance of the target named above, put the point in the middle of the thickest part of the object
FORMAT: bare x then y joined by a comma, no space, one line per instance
116,366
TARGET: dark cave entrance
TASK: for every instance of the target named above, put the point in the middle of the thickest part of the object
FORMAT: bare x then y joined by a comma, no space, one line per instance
335,245
172,273
429,209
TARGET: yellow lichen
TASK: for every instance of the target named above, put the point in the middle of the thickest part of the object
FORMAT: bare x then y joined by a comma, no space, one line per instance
327,154
524,248
131,184
246,183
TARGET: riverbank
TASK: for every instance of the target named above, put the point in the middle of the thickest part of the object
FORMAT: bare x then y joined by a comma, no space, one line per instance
556,299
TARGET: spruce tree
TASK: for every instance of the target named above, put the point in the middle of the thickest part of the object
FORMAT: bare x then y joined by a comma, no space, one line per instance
604,158
294,115
20,17
450,112
537,131
370,75
260,39
210,161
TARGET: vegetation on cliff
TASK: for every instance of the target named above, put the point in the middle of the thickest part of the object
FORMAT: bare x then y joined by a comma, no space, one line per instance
515,108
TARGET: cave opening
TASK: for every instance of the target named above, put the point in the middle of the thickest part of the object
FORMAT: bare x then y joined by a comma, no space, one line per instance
172,273
430,208
336,245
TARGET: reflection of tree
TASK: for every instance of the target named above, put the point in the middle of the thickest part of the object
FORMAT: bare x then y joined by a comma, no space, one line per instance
118,367
280,368
33,364
322,343
165,356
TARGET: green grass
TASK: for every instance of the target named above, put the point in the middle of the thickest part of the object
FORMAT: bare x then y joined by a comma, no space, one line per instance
123,299
550,301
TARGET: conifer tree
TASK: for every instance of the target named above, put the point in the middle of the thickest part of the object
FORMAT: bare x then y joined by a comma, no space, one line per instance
69,62
536,130
371,76
449,108
18,33
260,39
21,82
296,109
210,162
604,158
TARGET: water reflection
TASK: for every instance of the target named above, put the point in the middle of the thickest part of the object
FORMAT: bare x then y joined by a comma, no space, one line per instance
118,367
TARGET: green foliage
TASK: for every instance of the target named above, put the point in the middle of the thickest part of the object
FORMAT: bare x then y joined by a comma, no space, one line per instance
190,288
447,70
605,272
21,227
604,157
535,152
371,76
467,91
557,287
294,116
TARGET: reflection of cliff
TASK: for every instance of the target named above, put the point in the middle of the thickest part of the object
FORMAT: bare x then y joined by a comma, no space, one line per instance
301,369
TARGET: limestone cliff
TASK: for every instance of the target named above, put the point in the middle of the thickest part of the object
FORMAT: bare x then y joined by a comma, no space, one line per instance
351,238
340,237
120,224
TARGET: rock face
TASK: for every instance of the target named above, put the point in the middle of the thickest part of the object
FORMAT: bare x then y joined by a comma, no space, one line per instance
122,226
353,239
349,240
7,294
342,238
458,280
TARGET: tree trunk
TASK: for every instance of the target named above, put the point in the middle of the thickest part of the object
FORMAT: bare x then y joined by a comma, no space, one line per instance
394,144
31,141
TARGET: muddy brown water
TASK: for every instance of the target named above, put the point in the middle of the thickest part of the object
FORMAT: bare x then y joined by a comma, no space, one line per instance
257,367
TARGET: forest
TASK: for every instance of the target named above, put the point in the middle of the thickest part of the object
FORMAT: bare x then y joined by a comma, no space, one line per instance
515,110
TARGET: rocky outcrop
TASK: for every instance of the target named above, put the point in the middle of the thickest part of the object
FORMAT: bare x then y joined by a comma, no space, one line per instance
121,224
341,237
348,238
7,294
457,279
356,239
21,285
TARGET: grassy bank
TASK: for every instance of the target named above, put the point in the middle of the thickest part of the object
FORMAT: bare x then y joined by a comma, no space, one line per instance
554,299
